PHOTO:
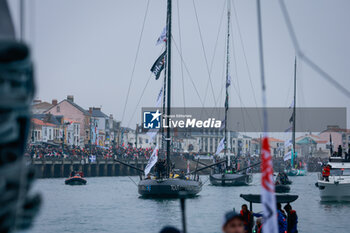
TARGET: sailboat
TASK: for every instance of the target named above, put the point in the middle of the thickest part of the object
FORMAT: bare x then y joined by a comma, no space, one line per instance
167,184
292,171
228,176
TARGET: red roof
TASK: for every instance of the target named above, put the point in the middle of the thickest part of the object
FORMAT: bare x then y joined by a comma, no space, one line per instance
40,122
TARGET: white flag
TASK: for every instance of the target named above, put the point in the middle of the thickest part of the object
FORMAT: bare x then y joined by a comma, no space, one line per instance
162,37
152,160
221,146
268,198
152,134
287,156
291,105
188,167
228,81
288,143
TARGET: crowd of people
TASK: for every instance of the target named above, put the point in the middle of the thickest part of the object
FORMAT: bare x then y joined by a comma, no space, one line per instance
47,151
74,152
243,222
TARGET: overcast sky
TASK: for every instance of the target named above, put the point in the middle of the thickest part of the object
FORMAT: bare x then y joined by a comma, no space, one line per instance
87,48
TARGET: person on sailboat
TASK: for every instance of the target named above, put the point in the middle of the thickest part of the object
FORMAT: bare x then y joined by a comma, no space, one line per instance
233,223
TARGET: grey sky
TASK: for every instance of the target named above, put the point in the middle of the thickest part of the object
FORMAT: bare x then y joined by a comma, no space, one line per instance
87,48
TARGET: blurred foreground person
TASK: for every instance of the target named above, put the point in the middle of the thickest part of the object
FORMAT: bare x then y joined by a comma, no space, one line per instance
169,229
258,226
233,223
17,206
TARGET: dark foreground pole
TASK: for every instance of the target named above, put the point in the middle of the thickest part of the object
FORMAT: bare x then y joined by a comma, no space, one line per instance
183,210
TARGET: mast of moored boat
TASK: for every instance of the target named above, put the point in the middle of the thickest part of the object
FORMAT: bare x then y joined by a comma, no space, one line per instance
294,108
227,73
168,66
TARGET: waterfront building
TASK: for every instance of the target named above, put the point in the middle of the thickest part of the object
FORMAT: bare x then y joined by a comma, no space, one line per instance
70,110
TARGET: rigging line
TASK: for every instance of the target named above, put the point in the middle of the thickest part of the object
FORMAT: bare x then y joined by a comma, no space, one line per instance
245,58
135,60
142,93
237,89
181,65
237,80
188,73
138,102
202,43
287,99
132,181
243,107
305,58
212,63
215,47
262,68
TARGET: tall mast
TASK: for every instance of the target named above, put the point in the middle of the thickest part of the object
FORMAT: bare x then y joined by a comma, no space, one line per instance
227,71
168,65
294,104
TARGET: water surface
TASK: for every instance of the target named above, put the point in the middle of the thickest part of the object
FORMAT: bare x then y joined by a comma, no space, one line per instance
112,204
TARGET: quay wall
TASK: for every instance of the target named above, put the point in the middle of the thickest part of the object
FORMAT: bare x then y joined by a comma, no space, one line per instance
62,168
56,168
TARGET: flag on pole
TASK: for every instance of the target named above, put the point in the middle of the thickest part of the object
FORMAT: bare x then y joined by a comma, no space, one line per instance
291,119
291,105
162,37
188,167
228,81
330,144
287,156
223,123
158,65
221,146
288,130
152,160
152,134
288,143
268,198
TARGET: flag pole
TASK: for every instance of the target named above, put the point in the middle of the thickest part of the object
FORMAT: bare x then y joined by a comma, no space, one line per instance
268,198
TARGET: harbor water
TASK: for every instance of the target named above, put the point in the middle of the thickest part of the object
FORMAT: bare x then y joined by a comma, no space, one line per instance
112,204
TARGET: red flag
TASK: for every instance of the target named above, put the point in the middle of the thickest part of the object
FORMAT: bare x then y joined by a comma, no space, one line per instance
268,198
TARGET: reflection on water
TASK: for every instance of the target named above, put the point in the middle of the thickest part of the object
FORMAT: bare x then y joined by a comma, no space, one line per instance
112,204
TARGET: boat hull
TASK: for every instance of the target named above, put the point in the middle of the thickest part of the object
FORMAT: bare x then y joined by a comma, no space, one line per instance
168,188
223,179
296,172
75,181
282,188
334,190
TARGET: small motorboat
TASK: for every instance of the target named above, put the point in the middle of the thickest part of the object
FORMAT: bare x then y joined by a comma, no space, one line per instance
75,180
282,183
335,187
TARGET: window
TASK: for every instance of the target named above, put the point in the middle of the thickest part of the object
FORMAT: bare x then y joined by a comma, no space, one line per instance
58,109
